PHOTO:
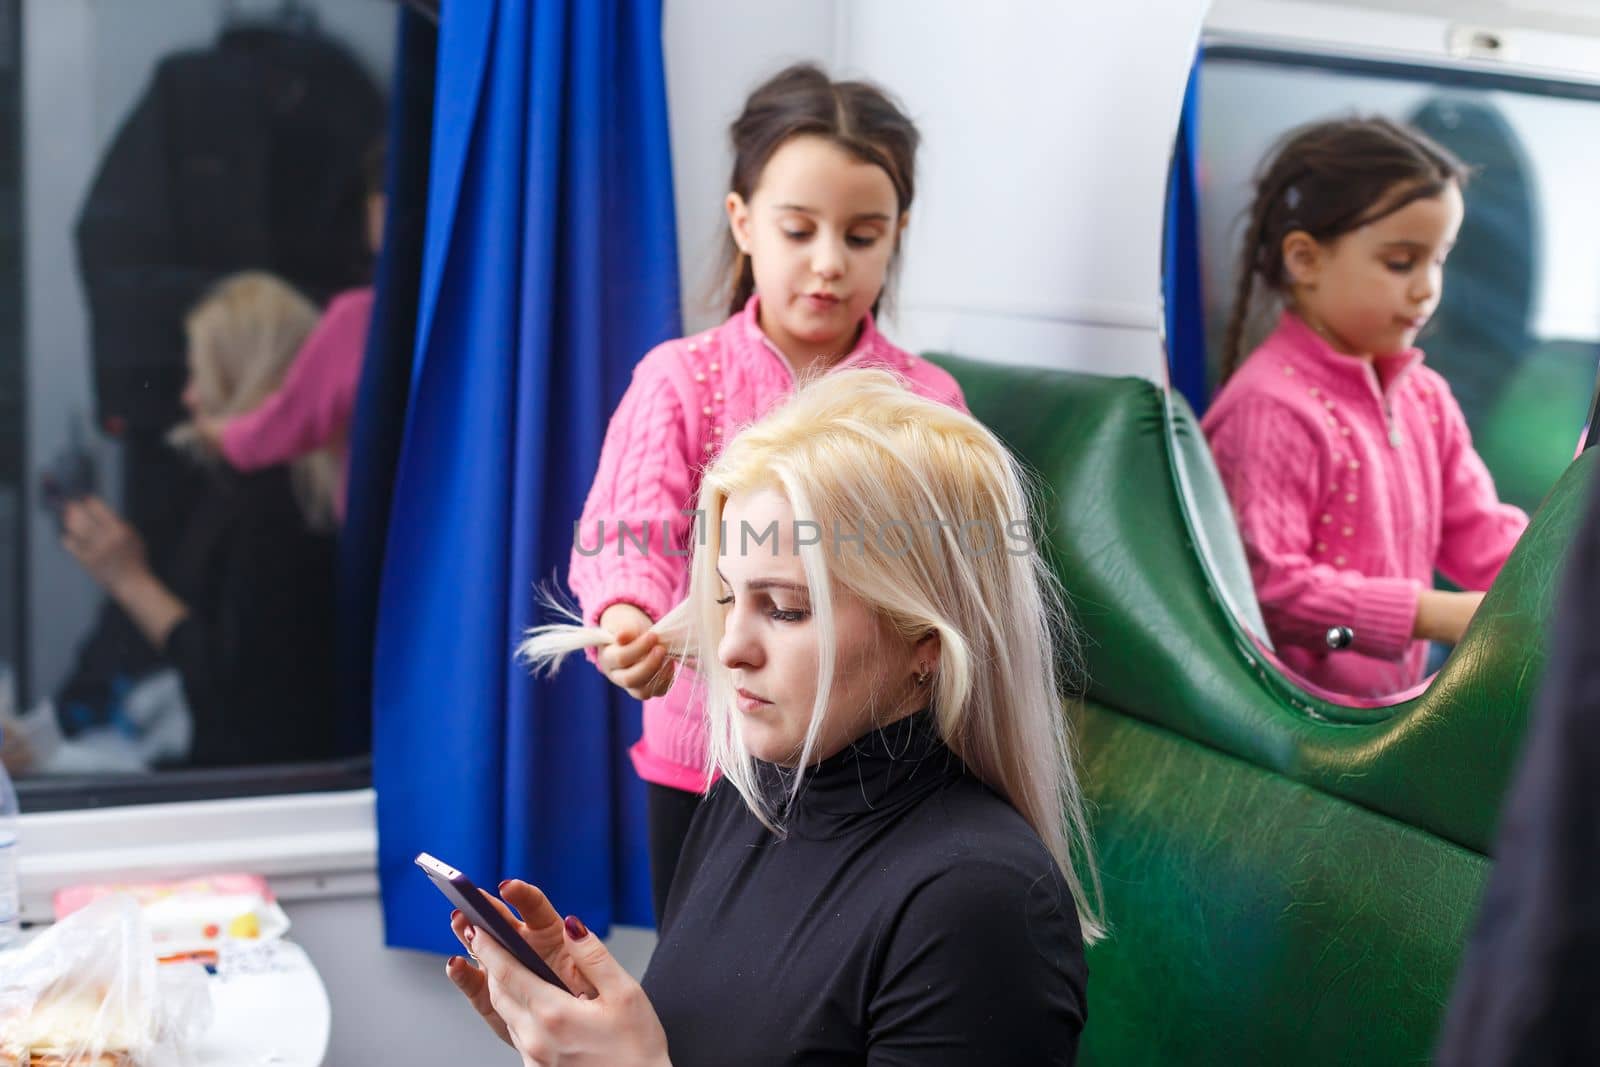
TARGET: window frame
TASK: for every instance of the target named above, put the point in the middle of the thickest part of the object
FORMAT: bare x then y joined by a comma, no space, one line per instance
63,793
310,845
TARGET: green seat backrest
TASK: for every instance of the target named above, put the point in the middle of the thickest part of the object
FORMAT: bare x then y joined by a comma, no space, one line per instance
1288,881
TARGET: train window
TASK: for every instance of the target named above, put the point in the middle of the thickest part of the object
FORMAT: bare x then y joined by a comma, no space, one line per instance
190,201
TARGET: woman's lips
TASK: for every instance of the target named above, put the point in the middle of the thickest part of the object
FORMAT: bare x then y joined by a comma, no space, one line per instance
748,701
822,301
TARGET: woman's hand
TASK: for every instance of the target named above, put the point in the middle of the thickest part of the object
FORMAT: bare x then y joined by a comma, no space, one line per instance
113,554
637,661
107,547
541,926
609,1022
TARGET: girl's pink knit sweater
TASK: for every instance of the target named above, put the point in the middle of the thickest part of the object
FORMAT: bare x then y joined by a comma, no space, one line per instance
1352,484
687,397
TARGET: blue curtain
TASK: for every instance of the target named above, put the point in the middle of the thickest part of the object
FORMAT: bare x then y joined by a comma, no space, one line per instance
550,267
1185,313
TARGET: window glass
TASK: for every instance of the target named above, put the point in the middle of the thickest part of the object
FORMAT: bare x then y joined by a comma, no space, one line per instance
190,206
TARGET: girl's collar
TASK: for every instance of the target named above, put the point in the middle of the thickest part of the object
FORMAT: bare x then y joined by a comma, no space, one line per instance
1388,369
867,343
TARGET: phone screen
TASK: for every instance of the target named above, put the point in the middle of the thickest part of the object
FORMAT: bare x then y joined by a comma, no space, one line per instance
475,905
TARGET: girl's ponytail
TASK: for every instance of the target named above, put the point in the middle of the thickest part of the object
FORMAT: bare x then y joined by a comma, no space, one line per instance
1243,288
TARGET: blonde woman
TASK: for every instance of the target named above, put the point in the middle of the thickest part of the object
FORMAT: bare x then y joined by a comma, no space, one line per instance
892,868
242,610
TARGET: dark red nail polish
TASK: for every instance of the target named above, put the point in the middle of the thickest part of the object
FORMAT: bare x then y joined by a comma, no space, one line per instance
470,931
503,885
455,913
575,928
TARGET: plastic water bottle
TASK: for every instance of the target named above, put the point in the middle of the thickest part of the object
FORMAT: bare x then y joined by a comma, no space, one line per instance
10,898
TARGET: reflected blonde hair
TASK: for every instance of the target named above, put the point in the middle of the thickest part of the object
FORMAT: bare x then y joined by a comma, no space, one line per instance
243,336
858,453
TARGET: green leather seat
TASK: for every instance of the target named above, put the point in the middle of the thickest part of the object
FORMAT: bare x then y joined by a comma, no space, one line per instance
1288,881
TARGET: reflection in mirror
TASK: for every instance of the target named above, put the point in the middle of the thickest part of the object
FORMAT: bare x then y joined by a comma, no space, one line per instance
202,227
1384,487
13,565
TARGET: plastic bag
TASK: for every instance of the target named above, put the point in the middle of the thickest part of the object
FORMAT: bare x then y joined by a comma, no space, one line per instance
88,992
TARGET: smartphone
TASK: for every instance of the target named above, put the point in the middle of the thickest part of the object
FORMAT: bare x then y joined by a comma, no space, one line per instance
70,476
474,904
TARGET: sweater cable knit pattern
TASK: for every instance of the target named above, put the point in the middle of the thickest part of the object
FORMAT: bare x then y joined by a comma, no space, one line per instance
1352,483
687,397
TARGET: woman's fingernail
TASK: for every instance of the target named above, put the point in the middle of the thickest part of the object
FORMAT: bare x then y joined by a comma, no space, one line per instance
504,884
455,913
470,931
575,928
452,963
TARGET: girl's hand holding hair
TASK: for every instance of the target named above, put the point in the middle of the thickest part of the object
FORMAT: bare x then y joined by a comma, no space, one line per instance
609,1021
208,432
637,660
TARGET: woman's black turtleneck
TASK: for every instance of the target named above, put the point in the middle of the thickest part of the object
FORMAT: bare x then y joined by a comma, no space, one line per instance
911,916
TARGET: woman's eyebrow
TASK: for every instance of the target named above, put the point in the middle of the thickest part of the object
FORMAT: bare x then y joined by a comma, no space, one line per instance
763,584
759,585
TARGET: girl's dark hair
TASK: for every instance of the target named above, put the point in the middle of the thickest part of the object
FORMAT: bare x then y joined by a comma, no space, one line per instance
1328,179
373,163
856,116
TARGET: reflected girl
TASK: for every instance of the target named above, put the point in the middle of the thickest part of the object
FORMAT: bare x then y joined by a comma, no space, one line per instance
1348,462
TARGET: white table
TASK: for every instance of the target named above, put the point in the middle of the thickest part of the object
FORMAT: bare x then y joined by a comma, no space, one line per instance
276,1016
279,1017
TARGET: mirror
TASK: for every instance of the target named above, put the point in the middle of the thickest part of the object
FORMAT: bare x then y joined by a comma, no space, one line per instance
195,178
1516,334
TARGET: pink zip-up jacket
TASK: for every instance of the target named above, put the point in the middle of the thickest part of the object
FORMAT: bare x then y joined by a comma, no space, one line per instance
687,397
311,409
1352,484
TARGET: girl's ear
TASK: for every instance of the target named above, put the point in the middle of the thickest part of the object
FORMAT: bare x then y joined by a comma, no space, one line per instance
738,221
1302,258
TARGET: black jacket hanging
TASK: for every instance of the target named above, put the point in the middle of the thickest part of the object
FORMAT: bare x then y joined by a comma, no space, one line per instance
245,155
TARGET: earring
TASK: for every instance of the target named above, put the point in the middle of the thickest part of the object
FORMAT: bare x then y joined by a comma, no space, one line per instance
924,676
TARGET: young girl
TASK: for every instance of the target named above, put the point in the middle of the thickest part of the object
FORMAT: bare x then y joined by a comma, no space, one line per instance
1348,462
885,871
312,410
822,182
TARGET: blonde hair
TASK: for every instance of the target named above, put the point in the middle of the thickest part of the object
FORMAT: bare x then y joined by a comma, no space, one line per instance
243,337
908,480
